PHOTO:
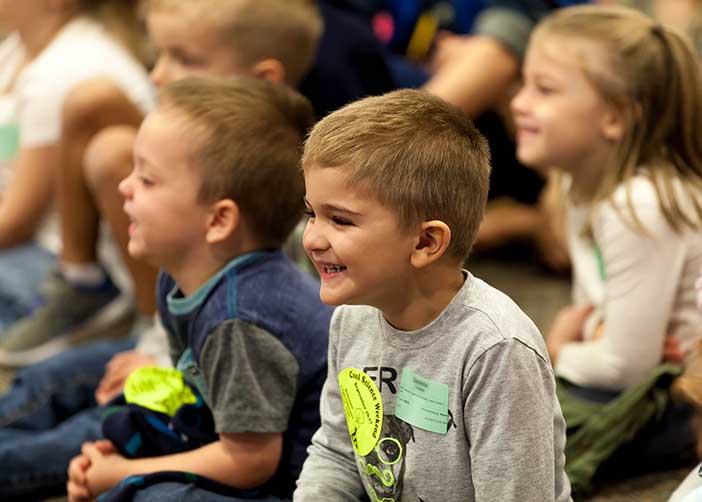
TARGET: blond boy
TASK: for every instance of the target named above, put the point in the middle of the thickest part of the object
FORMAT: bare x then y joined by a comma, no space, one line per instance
439,387
214,192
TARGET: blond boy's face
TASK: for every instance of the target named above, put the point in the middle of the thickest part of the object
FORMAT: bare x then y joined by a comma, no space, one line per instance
189,47
355,243
167,222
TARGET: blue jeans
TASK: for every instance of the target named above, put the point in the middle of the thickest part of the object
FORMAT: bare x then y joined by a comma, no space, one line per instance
174,492
46,416
22,270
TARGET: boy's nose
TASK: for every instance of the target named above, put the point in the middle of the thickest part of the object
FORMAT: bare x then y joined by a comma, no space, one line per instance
125,187
159,74
313,239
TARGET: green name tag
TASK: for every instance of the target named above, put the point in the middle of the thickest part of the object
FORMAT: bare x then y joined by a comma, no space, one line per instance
422,402
9,141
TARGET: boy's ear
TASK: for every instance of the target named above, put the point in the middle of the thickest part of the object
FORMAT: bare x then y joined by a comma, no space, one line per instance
433,240
224,220
269,69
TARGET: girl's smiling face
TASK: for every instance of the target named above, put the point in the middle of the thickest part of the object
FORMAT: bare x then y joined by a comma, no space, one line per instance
561,119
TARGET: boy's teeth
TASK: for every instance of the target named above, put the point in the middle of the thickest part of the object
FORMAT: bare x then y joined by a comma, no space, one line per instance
330,269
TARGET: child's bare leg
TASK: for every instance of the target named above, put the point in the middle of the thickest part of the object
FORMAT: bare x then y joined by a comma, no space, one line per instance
88,109
108,161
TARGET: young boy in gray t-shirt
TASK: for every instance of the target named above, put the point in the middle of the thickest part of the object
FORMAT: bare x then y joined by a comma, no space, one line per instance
439,386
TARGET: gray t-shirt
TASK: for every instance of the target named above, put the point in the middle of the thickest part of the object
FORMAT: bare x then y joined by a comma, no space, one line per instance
505,433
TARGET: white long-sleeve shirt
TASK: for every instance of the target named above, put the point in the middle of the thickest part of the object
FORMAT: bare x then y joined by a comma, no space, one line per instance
642,286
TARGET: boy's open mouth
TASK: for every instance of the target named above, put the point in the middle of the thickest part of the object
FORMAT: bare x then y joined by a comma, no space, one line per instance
332,269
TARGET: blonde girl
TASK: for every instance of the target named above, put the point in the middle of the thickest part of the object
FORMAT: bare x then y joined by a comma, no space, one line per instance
613,99
52,46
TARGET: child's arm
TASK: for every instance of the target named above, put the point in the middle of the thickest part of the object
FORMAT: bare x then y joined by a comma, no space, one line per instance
329,472
514,426
27,198
478,78
243,461
642,277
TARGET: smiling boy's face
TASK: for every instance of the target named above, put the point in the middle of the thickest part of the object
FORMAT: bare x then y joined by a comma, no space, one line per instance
355,242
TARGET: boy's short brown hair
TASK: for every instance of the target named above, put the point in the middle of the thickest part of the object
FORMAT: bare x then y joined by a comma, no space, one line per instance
417,154
286,30
249,135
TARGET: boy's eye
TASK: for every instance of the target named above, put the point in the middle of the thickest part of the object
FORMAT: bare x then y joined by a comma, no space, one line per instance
186,59
341,221
544,89
146,181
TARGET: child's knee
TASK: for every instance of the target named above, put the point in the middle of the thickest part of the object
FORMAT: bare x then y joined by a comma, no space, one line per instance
108,157
90,104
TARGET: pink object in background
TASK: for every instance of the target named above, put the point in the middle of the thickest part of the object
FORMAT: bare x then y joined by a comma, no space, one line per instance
383,26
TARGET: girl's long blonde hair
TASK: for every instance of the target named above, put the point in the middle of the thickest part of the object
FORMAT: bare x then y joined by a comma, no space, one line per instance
651,73
120,18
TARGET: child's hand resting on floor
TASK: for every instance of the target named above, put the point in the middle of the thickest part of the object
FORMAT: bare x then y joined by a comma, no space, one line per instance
117,371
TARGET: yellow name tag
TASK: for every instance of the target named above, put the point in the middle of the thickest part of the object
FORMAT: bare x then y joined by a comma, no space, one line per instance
363,409
158,389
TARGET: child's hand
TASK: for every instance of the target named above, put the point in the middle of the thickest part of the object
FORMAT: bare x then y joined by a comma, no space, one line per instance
107,467
672,352
77,486
567,328
117,371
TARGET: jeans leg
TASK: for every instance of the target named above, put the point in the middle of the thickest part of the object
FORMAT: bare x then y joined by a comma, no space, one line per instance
35,463
176,492
22,271
47,393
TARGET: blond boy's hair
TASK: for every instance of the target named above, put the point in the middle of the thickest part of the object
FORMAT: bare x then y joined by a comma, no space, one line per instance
420,156
249,135
286,30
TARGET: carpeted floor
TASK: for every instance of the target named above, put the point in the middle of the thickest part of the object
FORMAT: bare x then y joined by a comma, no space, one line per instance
541,294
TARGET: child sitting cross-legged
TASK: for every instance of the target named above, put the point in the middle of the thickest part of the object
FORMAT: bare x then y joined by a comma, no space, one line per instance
215,191
613,100
439,386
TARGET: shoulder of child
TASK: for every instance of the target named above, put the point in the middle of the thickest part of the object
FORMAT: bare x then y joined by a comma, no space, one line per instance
495,318
640,194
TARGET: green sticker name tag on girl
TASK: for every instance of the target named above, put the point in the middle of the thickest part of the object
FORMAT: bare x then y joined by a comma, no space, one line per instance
9,142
